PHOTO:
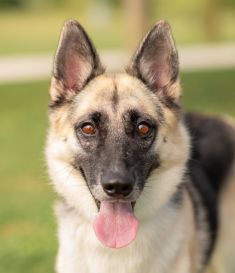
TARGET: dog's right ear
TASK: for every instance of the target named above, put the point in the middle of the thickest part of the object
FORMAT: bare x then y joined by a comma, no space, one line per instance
76,62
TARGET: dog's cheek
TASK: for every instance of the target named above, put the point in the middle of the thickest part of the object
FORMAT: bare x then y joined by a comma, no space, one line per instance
175,147
67,181
164,180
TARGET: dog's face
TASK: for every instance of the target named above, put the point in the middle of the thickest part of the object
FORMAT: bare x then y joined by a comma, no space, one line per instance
116,138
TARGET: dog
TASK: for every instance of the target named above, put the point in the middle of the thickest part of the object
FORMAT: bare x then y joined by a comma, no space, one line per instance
138,180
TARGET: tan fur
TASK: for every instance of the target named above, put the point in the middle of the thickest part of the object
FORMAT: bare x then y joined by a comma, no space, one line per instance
190,249
223,257
97,95
74,223
131,94
169,239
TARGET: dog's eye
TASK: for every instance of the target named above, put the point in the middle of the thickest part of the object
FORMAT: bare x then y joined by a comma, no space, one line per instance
88,129
143,129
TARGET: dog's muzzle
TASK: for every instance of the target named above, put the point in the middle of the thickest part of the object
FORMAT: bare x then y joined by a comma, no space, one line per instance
115,225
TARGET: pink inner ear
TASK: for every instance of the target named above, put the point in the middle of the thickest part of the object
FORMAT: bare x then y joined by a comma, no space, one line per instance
160,72
73,72
160,76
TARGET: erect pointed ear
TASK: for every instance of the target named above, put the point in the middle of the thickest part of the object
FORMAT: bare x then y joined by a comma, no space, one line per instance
76,62
156,60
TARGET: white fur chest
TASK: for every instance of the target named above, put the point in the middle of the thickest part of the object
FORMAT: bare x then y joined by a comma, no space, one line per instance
155,248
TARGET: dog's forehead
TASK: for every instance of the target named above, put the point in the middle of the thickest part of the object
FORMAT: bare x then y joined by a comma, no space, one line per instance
116,94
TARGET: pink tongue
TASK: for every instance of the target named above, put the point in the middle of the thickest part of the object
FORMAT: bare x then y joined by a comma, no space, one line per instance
115,225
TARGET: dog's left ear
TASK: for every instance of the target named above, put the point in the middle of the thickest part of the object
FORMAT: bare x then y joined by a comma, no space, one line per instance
156,60
76,62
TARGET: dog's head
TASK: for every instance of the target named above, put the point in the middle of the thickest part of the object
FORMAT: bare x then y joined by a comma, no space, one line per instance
116,142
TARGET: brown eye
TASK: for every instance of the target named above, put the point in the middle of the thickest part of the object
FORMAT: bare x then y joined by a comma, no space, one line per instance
143,129
88,129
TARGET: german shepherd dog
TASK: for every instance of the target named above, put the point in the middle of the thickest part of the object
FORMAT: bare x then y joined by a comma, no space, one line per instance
138,181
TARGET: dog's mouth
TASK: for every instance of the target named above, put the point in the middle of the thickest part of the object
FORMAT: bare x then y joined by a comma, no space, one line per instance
115,225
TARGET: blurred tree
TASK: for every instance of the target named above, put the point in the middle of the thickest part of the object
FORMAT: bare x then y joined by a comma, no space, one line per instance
73,3
37,4
11,3
115,2
211,20
228,3
137,20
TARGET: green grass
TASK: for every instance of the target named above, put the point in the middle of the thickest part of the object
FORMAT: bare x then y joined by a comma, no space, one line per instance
27,229
209,91
27,226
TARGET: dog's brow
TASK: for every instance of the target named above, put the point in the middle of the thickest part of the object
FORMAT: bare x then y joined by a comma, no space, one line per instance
115,97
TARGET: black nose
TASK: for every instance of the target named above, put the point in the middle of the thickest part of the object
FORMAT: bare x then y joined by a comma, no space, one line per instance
116,185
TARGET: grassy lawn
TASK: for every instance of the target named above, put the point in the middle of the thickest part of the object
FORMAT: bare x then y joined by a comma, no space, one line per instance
27,227
37,31
212,92
27,230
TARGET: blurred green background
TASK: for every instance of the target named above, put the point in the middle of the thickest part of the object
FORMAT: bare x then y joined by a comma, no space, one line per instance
27,225
33,25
